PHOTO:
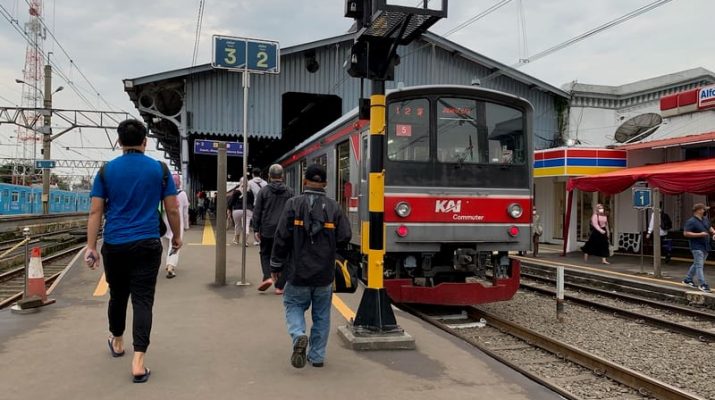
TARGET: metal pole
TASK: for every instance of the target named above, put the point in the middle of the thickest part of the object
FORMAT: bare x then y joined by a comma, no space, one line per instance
560,293
26,232
641,216
656,232
246,84
221,215
46,138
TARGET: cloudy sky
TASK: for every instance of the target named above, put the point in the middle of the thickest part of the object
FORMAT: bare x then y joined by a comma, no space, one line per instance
114,39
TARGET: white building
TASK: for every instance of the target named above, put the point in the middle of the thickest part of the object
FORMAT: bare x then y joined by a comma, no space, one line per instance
652,121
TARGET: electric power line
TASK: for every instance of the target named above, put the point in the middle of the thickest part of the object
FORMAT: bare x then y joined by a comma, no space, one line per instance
197,38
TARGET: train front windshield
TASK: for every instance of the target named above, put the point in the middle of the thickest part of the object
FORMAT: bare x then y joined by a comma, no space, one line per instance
470,137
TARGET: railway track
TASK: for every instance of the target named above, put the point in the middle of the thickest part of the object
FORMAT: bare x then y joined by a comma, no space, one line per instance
572,372
12,282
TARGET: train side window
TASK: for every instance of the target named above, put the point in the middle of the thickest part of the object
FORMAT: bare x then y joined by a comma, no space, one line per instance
344,187
408,130
303,166
15,197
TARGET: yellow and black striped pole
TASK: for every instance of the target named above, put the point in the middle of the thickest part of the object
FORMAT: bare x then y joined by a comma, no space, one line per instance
375,311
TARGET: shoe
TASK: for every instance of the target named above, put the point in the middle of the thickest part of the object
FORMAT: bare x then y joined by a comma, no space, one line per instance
235,242
688,282
111,348
705,288
279,292
265,284
316,364
298,358
667,259
142,378
256,243
170,274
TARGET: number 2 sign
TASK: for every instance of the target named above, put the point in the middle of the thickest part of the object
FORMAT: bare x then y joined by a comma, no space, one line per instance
252,55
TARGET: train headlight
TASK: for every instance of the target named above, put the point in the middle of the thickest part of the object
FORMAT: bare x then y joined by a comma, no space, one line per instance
515,210
403,209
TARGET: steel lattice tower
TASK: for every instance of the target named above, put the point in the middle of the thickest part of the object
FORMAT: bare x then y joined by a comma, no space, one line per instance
32,96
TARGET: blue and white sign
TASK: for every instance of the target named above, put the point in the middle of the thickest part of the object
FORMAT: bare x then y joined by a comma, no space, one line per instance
210,147
642,198
45,164
242,54
706,97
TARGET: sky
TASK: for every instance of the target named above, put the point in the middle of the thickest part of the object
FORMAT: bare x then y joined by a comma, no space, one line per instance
110,40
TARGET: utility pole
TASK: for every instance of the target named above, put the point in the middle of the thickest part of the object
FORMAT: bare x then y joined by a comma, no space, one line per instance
47,137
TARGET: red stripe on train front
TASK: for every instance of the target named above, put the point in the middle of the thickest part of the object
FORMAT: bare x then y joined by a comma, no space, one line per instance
458,209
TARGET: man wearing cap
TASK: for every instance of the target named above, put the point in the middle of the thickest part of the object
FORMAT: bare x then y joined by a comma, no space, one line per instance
699,232
311,229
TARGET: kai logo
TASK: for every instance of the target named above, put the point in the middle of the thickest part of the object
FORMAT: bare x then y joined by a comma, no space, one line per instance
446,206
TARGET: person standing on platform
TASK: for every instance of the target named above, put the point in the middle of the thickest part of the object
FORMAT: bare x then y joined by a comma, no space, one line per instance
666,224
698,232
236,206
172,256
269,205
311,230
256,184
127,191
597,244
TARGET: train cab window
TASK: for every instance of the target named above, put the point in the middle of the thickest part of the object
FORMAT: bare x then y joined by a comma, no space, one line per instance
321,160
15,197
408,130
476,132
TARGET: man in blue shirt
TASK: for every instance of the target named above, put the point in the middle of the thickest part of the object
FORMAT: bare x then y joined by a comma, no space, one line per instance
698,230
128,191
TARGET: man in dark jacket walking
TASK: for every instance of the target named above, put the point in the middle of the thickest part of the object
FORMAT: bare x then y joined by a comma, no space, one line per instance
311,229
269,204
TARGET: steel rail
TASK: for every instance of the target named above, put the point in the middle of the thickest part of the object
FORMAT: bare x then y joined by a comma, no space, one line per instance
19,271
541,381
700,334
639,299
636,380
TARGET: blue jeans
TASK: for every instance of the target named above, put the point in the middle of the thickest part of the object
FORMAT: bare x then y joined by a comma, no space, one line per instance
699,257
296,300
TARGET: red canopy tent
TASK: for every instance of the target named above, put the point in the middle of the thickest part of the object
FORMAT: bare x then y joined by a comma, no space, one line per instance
671,178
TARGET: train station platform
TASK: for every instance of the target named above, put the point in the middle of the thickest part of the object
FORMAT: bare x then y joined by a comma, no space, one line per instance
227,342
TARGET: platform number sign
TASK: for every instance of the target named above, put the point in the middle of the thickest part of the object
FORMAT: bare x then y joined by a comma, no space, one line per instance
242,54
642,198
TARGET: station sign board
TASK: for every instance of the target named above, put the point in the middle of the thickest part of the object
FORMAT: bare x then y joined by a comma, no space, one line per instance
210,147
45,164
243,54
706,97
642,198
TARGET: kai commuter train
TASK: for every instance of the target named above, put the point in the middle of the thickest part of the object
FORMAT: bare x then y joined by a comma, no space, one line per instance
457,195
18,199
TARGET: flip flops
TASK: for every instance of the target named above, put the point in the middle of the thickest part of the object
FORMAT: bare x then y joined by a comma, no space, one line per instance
142,378
111,348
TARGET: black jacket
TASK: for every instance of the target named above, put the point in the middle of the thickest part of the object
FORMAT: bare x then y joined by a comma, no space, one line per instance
269,206
236,201
311,229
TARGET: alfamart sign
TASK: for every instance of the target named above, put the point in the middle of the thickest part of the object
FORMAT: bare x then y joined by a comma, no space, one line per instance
706,97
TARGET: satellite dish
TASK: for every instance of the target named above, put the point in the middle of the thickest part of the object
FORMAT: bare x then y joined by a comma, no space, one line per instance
638,128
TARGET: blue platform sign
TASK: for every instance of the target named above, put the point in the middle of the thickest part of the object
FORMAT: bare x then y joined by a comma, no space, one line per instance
210,147
642,198
45,164
242,54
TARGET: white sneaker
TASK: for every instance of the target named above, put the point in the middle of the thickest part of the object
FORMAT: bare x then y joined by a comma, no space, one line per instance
256,243
235,242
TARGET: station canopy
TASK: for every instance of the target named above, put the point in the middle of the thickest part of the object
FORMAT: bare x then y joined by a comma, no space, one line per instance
697,176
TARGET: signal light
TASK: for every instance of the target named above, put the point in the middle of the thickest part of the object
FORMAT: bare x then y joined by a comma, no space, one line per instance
402,231
513,231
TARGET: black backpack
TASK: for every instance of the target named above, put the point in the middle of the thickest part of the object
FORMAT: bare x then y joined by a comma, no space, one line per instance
164,182
666,223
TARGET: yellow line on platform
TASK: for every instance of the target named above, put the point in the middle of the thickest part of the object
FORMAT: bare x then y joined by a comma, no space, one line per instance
343,309
102,287
209,238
